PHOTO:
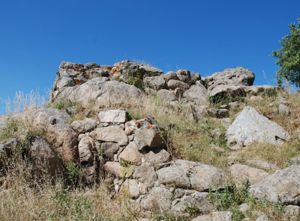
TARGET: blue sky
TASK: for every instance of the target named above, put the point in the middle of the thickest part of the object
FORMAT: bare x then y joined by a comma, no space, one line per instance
201,35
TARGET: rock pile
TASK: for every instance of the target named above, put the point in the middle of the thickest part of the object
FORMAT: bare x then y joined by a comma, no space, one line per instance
126,81
132,154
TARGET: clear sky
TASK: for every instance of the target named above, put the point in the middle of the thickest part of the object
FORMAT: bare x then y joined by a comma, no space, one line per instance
201,35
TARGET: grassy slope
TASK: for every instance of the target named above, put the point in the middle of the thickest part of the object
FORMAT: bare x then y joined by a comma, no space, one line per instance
201,141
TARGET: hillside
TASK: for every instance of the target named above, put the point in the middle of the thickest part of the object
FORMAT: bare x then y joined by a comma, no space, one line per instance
129,142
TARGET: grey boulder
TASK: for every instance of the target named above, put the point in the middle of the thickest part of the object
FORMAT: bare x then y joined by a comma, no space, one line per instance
197,94
155,82
250,126
283,186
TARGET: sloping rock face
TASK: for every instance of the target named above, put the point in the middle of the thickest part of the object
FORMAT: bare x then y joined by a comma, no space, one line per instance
250,126
282,186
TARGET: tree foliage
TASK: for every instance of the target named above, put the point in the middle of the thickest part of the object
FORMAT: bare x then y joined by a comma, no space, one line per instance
289,56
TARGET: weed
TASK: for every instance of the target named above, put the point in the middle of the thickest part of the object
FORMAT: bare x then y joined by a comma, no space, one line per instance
135,81
62,104
9,130
73,173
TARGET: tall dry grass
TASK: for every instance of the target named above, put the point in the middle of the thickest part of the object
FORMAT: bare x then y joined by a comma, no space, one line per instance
23,101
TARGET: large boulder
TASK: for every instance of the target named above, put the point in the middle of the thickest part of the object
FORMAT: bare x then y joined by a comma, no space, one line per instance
45,162
174,176
184,75
243,173
98,92
197,94
232,76
148,138
131,154
85,125
196,200
166,95
229,84
159,199
189,174
283,186
128,70
111,134
226,93
250,126
54,124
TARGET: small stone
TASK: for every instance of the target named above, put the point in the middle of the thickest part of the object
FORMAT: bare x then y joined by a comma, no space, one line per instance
114,168
173,84
83,126
156,158
203,218
156,82
111,134
283,109
244,207
170,76
113,116
166,95
132,187
131,154
222,216
109,149
148,138
184,75
85,148
130,127
262,218
117,170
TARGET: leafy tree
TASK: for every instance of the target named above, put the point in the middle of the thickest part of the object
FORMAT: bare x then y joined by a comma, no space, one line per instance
289,57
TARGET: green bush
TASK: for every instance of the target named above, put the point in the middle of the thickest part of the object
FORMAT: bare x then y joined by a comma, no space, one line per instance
289,57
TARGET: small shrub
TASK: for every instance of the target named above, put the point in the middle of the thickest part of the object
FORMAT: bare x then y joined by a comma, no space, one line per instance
9,130
73,173
62,104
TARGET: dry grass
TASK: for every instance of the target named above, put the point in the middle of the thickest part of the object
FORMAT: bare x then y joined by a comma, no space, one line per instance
53,202
188,139
23,101
278,155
